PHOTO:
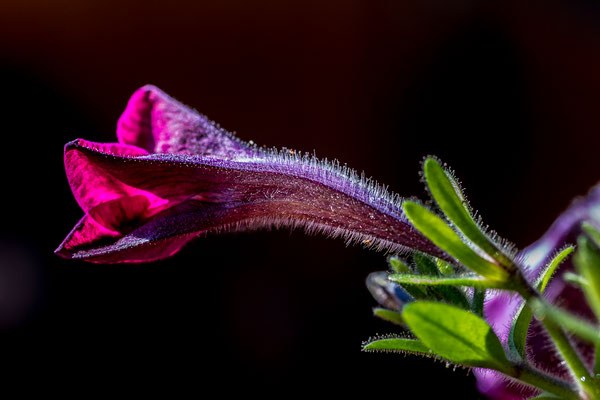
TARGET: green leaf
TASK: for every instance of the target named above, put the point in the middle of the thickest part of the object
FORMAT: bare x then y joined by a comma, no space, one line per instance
398,266
477,302
417,292
587,262
434,228
579,327
575,280
597,359
470,281
389,315
545,277
437,291
517,337
546,396
397,345
425,264
457,335
449,197
592,232
428,265
445,267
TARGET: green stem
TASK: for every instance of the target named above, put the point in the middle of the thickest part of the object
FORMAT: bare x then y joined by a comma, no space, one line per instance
575,279
584,379
581,375
579,327
548,383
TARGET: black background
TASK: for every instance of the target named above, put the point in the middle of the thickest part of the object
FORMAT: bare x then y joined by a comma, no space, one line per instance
506,93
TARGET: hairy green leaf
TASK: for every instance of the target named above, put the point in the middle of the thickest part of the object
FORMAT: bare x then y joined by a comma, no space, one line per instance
446,239
397,345
389,315
398,266
445,267
517,337
425,264
428,280
457,335
587,262
449,197
428,265
546,396
546,275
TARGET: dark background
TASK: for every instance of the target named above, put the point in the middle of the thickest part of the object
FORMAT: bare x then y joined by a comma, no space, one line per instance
506,93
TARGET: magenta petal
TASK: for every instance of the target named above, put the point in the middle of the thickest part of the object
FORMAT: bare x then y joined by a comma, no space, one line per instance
156,122
91,241
158,202
87,232
91,186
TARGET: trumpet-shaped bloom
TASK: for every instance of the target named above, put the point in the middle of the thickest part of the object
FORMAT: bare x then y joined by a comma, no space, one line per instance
174,175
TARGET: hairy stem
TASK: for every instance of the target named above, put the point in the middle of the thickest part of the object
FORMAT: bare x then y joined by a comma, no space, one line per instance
580,373
586,382
532,376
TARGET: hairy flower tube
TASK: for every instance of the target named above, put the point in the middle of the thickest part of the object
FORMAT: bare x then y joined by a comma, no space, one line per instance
174,175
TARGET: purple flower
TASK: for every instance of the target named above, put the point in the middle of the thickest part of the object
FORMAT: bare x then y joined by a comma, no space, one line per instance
500,308
175,175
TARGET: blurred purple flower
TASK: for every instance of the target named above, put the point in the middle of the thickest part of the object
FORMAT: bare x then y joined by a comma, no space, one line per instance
500,307
174,175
